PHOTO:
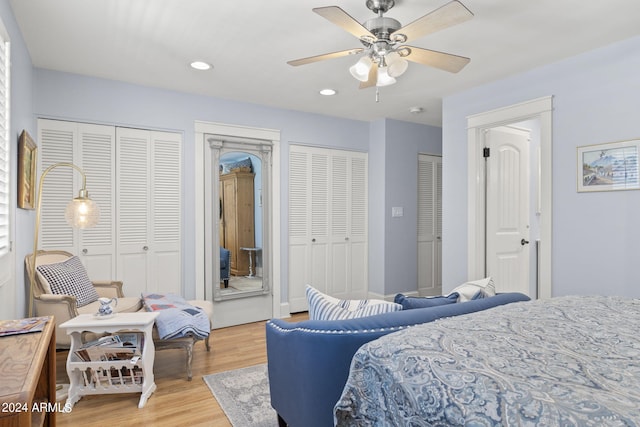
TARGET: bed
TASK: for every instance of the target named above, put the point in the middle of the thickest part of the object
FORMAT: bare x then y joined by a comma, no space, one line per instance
570,361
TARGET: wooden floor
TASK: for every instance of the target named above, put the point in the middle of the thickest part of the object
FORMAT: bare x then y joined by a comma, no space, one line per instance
176,401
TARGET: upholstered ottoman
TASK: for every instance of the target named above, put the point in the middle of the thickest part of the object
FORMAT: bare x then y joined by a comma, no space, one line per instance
188,342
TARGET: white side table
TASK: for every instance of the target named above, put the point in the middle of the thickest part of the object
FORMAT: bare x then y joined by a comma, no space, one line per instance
254,252
84,376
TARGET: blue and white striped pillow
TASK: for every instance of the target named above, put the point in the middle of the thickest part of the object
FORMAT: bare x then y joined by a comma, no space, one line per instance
325,307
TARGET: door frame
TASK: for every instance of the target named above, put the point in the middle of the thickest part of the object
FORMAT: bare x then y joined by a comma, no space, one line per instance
202,157
540,109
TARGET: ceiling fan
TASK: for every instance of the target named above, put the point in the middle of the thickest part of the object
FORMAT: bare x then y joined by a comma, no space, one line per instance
385,54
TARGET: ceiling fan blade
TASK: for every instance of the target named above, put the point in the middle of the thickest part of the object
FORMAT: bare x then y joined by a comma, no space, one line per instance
373,77
343,20
432,58
450,14
309,60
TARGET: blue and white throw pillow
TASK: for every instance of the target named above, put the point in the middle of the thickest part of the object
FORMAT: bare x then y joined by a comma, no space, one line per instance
325,307
69,278
409,303
469,291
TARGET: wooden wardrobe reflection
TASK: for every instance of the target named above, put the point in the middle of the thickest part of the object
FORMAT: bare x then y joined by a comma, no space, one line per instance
237,221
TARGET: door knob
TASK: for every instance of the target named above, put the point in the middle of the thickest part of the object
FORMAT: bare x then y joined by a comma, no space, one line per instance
524,242
85,251
313,240
145,248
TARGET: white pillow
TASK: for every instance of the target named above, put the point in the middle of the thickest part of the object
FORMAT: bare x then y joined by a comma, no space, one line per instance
467,291
325,307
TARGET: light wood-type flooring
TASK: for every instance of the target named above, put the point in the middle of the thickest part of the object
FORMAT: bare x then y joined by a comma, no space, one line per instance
176,401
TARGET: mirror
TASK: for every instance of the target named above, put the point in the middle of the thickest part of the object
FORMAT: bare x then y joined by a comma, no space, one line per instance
240,223
237,240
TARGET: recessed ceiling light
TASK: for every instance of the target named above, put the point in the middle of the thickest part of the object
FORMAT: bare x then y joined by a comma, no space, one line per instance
328,92
199,65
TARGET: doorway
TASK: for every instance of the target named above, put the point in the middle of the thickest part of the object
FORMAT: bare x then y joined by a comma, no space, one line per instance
238,177
539,111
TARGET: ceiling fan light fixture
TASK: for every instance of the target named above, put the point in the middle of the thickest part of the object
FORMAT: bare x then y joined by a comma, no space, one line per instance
396,65
360,70
384,79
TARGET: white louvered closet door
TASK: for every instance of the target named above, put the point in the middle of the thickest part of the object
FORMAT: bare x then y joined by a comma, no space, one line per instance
358,225
133,149
135,178
299,215
308,223
429,225
149,211
348,222
57,143
166,203
327,223
97,244
91,148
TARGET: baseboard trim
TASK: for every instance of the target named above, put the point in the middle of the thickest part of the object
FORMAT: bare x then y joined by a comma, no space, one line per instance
284,311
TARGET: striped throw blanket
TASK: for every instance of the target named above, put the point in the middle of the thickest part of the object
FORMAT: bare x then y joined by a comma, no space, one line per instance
177,317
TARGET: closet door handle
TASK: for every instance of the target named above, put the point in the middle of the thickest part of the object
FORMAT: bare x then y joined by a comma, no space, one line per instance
85,251
145,248
524,242
313,240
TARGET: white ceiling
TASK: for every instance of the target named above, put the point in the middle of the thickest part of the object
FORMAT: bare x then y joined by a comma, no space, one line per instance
152,42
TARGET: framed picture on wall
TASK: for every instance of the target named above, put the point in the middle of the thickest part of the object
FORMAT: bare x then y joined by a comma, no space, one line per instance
27,157
609,167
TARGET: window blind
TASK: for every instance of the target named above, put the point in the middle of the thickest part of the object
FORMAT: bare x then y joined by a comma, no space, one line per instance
5,160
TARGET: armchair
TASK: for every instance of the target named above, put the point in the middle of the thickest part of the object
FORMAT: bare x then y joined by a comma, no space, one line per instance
65,307
225,265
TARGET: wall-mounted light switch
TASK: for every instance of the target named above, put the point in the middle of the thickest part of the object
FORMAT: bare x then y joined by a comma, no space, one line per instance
397,211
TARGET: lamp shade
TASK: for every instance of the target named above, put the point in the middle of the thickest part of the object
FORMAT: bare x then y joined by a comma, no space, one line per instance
360,70
384,79
396,65
82,212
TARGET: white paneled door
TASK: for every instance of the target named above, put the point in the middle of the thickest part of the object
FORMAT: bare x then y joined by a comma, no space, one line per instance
429,225
508,233
327,223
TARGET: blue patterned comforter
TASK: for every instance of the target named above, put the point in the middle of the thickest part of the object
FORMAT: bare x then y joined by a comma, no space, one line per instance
567,361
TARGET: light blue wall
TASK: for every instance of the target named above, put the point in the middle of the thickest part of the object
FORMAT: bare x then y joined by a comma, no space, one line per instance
393,181
403,142
595,235
21,96
377,209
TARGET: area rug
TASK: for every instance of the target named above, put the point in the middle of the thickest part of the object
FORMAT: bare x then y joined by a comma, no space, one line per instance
243,395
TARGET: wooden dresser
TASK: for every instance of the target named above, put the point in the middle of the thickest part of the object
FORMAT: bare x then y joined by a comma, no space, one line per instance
28,372
237,228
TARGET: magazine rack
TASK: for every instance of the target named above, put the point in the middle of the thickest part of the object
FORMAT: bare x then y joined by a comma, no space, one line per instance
111,376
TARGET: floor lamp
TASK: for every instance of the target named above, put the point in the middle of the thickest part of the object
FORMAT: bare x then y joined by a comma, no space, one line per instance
81,212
